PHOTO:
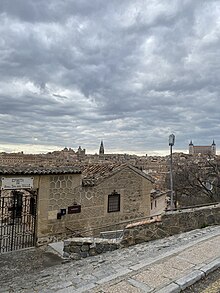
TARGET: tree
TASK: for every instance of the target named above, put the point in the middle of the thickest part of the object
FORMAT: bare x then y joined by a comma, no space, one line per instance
196,180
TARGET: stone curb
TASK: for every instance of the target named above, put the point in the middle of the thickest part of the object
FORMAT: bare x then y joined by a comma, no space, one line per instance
177,285
190,279
211,267
120,273
171,288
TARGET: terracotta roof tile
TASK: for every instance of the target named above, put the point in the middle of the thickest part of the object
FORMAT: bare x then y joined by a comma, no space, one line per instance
38,170
94,173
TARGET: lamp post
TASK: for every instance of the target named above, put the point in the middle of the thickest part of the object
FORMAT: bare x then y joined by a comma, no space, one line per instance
171,144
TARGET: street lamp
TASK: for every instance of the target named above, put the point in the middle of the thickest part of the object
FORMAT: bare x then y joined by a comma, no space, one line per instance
171,144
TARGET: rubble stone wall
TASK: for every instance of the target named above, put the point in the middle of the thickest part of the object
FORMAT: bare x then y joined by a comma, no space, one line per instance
78,248
171,223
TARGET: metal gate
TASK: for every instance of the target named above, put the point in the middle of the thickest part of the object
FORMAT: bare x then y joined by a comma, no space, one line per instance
17,220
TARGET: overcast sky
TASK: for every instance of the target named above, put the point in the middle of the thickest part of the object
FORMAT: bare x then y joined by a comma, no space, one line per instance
129,72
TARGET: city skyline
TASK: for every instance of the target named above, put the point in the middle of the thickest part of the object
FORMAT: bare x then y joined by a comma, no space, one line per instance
108,150
129,73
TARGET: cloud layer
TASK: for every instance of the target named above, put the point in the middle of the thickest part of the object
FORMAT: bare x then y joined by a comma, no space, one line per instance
128,72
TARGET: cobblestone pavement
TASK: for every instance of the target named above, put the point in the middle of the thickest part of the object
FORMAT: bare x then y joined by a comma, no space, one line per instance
145,267
20,263
210,284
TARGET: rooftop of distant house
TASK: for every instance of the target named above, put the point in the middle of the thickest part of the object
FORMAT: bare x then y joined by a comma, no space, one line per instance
28,170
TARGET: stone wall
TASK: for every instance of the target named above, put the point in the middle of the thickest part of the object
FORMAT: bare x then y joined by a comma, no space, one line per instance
134,193
61,191
171,223
77,248
55,193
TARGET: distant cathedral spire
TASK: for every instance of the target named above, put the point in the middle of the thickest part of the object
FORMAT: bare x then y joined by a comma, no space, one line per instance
101,149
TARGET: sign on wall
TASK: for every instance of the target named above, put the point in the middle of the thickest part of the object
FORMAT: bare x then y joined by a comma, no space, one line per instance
76,208
17,183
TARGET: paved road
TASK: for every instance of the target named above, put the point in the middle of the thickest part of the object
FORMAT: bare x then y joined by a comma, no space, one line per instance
145,267
23,262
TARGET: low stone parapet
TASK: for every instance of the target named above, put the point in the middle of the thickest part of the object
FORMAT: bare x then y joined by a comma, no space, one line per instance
167,224
77,248
170,223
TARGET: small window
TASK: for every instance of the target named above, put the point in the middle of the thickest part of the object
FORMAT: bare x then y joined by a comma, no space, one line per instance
114,202
151,205
155,203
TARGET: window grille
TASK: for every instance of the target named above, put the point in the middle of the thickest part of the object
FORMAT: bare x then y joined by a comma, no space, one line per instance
114,202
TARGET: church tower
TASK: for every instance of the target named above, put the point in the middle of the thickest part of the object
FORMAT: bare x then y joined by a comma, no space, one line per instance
101,149
213,148
191,149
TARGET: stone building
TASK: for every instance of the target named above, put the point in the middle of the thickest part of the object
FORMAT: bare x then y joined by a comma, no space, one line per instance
12,159
45,205
158,202
30,203
81,153
203,150
111,194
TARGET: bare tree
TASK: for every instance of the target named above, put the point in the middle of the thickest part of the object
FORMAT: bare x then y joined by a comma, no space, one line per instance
197,180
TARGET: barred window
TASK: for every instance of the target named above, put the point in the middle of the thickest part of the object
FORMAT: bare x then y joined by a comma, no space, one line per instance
114,202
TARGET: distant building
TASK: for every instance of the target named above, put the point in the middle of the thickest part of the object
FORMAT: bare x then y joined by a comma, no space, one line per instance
203,150
81,153
101,149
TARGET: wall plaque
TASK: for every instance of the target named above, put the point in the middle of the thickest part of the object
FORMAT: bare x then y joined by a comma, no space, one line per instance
76,208
17,182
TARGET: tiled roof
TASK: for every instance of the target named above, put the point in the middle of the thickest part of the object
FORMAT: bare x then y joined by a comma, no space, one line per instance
4,170
150,178
94,173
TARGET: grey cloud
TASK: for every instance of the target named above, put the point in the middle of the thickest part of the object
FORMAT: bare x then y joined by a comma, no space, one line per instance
71,70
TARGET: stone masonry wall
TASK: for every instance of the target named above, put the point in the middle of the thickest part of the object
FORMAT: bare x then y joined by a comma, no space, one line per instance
61,191
134,192
77,248
55,192
171,223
